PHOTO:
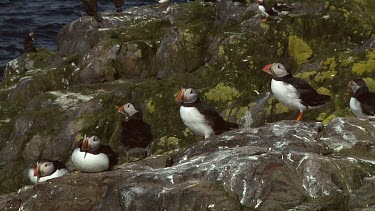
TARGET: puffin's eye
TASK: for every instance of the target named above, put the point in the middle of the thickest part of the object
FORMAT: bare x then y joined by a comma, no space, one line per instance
191,91
45,165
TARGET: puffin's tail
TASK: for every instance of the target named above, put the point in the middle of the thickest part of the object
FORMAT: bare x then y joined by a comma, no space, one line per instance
231,125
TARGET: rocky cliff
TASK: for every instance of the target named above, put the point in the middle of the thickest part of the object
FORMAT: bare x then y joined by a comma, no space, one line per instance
49,100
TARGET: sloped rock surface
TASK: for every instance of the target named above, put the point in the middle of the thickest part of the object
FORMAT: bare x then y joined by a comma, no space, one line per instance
279,166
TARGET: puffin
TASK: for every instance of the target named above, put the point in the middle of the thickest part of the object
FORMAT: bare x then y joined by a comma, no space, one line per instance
118,4
267,10
47,169
28,43
362,101
293,92
199,117
91,8
135,133
91,156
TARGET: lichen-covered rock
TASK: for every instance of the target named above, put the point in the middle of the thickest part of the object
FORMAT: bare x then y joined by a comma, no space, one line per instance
49,101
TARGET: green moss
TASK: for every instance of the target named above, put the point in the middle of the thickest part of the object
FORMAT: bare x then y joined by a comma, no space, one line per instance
222,93
299,49
367,66
42,58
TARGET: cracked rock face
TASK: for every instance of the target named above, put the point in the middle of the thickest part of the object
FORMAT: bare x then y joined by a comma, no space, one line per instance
283,165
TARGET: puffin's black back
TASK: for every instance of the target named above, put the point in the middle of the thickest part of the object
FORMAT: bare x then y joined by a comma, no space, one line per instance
365,97
309,96
91,9
105,149
217,122
136,133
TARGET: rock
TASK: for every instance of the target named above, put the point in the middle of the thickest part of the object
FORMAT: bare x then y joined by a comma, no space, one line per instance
280,165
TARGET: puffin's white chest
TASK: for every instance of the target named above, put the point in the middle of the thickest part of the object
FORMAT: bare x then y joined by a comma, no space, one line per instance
57,173
90,162
287,95
195,121
262,9
356,108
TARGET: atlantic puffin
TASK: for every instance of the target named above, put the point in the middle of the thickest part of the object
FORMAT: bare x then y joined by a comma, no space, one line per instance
91,8
199,117
47,169
135,134
362,102
28,43
91,156
267,10
118,4
293,92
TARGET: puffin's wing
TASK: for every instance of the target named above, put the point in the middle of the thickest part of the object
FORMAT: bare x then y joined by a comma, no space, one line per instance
112,156
59,165
368,105
214,119
136,133
308,95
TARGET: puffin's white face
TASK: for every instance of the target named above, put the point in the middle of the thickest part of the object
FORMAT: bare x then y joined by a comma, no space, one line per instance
43,169
276,69
354,85
187,95
128,109
90,144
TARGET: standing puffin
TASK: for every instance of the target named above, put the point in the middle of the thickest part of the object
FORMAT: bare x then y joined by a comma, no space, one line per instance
362,102
136,134
91,8
199,117
118,4
91,156
28,43
293,92
46,170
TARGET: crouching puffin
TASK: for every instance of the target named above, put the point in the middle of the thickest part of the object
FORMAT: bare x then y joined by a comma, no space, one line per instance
278,8
199,117
91,156
46,170
136,134
362,102
293,92
118,4
91,8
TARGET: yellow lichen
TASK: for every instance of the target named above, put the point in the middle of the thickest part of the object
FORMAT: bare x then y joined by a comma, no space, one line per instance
241,112
321,76
222,93
306,75
280,108
328,119
78,137
323,90
330,63
370,84
138,53
188,36
299,49
362,67
221,50
187,132
150,106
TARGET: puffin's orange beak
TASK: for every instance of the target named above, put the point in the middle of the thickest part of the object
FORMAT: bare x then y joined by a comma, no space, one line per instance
350,88
84,145
120,109
36,171
268,69
179,95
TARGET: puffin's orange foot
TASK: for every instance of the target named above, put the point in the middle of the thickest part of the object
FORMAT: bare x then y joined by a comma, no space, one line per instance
299,117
